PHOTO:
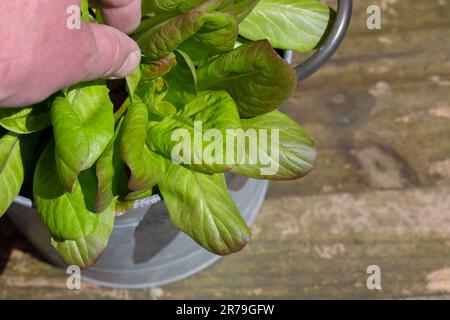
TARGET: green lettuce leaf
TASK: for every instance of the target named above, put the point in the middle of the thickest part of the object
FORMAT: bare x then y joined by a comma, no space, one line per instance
288,24
85,251
164,6
174,135
199,205
145,167
218,34
151,92
83,124
239,8
132,81
25,120
11,169
158,6
158,68
257,78
283,155
111,174
68,216
181,80
164,38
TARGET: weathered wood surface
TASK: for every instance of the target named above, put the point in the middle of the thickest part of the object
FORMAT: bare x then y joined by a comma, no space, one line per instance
380,194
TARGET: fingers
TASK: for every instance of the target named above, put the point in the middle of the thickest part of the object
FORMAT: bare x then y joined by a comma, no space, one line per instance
112,54
44,55
102,50
124,15
95,51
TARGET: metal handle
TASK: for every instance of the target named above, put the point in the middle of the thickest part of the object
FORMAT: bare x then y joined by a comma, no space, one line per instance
329,47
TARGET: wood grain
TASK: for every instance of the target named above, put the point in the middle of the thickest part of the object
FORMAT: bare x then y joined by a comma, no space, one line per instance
380,193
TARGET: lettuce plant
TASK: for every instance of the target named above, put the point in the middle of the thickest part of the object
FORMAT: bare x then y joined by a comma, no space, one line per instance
93,149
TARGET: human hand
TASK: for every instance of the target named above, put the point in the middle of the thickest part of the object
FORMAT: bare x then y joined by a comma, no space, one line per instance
40,54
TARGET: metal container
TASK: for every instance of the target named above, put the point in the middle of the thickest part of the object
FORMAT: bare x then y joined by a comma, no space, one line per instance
145,250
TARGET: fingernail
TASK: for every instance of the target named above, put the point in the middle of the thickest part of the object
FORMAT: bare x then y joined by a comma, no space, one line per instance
130,64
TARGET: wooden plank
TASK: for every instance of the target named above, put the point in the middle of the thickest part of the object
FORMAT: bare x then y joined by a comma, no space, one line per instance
379,110
303,247
320,247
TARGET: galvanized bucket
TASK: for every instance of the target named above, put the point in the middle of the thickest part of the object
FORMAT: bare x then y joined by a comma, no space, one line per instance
145,249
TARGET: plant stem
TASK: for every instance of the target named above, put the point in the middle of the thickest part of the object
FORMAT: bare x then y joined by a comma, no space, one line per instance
99,16
85,10
119,113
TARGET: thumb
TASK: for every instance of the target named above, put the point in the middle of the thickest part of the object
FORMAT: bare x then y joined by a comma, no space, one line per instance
106,53
60,57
